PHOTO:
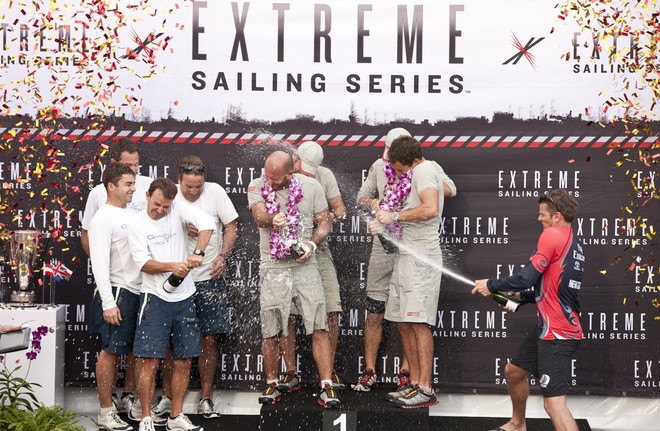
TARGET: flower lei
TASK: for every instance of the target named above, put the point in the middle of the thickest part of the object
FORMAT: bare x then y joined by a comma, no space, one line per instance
395,193
281,238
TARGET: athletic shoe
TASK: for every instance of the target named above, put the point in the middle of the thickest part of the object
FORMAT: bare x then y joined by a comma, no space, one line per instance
206,408
368,380
135,414
181,423
337,383
147,424
271,395
163,406
403,379
126,402
400,392
290,382
328,398
415,399
112,422
115,402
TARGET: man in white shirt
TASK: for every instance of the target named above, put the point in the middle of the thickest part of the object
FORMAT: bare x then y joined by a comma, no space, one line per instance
167,317
211,295
123,151
115,303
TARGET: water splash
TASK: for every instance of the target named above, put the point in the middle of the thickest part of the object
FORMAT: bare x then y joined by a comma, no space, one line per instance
421,257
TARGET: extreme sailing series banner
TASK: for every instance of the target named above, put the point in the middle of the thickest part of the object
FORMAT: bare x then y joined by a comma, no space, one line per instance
511,98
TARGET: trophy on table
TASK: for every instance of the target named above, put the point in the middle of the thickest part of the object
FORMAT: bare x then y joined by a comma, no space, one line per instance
23,247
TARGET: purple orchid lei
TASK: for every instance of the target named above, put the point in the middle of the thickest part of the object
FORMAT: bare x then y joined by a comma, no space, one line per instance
278,242
395,193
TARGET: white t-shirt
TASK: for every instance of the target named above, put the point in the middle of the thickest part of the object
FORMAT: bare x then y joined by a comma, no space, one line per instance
166,240
99,196
112,263
214,201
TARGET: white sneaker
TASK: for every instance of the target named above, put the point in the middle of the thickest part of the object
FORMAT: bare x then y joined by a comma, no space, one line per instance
163,406
147,424
181,423
206,408
112,422
126,403
135,414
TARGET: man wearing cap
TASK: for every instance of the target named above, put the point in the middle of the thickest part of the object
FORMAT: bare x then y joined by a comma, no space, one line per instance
292,215
381,264
307,161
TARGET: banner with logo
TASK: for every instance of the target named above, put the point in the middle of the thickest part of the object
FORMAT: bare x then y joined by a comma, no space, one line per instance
492,98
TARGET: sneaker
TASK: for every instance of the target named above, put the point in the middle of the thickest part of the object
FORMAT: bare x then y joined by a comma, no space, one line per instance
368,380
337,383
135,414
328,398
207,409
115,402
163,406
112,422
126,403
403,379
290,382
271,395
415,399
400,392
181,423
147,424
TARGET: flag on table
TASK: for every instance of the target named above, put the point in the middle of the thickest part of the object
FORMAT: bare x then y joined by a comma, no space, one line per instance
58,270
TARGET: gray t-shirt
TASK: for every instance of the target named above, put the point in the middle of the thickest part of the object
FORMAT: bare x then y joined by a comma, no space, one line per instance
423,236
312,203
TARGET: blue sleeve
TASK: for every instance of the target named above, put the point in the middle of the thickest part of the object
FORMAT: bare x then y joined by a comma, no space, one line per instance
521,280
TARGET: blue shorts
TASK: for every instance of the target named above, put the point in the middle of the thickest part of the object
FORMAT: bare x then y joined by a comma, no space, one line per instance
212,309
162,323
117,340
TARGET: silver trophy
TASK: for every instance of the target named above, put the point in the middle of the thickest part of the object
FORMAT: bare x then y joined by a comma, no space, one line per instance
23,247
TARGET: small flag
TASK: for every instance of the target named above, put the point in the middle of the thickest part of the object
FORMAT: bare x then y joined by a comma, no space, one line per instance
58,270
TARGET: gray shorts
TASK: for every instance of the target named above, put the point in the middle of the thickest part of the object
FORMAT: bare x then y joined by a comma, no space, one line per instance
329,279
379,273
414,290
279,287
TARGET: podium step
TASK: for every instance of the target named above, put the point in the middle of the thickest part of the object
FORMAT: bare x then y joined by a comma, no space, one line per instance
299,410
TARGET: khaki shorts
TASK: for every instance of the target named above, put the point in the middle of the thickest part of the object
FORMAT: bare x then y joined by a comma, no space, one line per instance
279,287
379,273
414,290
329,279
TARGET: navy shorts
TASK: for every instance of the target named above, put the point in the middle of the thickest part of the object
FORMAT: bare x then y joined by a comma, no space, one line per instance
162,323
550,361
212,309
117,340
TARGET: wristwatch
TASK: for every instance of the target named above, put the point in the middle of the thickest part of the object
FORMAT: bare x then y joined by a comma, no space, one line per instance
199,252
395,217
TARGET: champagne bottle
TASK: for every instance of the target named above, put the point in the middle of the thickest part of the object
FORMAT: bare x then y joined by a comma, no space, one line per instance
172,283
387,244
298,249
510,303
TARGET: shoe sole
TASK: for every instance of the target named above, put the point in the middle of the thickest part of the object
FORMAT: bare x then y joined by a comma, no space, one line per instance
210,415
287,390
270,401
330,405
364,388
417,406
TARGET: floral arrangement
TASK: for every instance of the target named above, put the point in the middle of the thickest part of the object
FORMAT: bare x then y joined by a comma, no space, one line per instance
17,391
395,193
281,238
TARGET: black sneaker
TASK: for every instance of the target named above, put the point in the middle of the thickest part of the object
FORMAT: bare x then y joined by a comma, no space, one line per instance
328,398
415,399
271,395
290,382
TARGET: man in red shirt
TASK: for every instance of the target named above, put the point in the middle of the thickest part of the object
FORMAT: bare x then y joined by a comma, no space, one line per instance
555,273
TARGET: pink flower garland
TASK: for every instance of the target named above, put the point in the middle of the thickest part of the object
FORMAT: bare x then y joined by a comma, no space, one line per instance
279,248
395,193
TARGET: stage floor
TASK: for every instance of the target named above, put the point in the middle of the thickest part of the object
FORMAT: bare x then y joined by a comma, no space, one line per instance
241,411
